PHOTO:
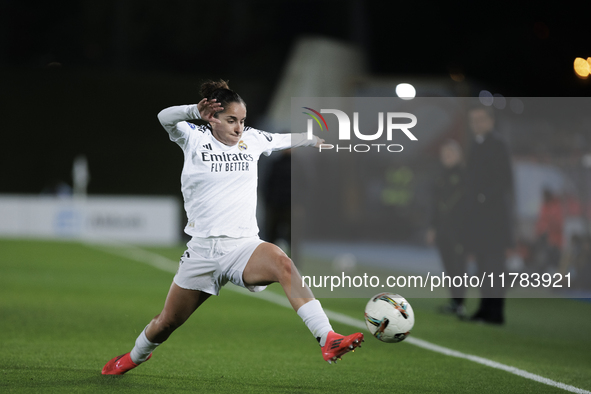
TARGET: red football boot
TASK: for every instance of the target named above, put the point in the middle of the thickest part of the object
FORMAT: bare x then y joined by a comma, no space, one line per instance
120,364
337,345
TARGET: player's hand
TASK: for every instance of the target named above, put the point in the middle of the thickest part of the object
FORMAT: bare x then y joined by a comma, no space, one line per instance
319,141
207,110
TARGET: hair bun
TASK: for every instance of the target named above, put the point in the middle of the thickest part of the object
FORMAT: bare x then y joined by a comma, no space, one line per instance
208,87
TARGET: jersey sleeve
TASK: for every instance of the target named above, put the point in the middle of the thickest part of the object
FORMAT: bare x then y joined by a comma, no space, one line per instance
276,141
174,121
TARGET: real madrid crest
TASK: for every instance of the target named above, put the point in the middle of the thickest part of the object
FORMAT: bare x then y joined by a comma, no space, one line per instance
242,145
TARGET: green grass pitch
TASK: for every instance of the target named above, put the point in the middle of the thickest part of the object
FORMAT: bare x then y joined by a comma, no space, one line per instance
67,308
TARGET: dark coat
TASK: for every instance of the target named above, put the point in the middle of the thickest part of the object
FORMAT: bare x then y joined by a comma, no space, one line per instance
489,195
448,207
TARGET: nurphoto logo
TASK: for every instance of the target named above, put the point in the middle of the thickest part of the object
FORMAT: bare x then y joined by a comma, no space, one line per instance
391,119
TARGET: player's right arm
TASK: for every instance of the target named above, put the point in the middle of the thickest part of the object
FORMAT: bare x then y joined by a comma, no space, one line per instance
174,119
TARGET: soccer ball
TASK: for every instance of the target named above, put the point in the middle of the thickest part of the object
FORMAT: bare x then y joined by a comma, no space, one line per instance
389,317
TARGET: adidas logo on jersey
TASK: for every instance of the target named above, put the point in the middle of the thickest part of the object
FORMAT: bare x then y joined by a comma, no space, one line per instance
207,146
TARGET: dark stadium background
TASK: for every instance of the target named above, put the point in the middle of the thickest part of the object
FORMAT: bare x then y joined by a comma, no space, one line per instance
89,77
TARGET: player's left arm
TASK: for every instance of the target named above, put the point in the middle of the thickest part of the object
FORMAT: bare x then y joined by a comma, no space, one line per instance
301,139
281,141
319,141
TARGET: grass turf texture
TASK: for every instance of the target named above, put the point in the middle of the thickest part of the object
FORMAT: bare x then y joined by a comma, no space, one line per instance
67,308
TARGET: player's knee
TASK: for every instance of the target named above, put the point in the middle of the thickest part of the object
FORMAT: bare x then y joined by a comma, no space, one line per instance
284,266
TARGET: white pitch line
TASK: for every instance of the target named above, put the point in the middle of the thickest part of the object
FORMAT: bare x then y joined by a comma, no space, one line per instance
136,254
155,260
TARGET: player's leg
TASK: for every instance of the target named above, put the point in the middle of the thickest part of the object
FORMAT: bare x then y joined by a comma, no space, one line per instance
179,305
491,309
453,259
269,264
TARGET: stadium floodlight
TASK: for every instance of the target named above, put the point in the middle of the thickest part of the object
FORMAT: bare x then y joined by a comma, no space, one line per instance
582,67
486,98
405,91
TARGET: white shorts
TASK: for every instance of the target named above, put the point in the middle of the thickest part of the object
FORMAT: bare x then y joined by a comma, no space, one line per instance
209,263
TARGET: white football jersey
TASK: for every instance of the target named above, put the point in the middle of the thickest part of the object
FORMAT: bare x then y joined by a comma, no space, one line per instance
219,182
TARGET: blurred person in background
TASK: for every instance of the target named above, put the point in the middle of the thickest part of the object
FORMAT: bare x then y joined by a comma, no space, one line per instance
447,220
549,233
576,261
489,214
219,185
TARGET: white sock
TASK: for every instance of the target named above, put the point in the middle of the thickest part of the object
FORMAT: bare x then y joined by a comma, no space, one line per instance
315,319
142,349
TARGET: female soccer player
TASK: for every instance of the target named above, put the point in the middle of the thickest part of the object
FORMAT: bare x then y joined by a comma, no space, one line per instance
219,182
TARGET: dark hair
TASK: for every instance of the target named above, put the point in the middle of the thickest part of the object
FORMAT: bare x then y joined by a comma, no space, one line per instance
221,92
